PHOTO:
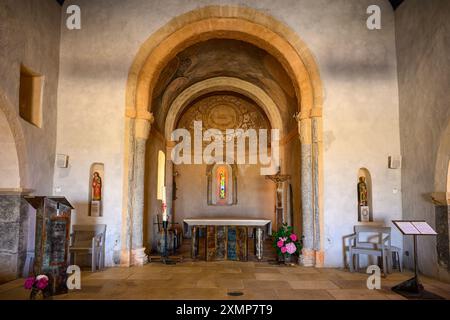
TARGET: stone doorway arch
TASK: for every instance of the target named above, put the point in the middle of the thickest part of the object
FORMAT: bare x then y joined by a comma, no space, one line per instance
223,22
16,139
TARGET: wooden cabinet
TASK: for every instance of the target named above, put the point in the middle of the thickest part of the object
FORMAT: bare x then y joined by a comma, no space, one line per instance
52,240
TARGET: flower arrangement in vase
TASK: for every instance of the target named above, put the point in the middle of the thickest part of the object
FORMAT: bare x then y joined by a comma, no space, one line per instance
286,242
38,286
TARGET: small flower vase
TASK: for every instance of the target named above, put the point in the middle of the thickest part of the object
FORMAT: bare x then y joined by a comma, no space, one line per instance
287,259
36,294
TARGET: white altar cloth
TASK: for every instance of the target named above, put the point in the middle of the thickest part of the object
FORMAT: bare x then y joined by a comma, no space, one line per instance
248,222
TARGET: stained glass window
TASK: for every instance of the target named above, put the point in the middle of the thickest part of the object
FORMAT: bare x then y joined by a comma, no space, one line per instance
222,183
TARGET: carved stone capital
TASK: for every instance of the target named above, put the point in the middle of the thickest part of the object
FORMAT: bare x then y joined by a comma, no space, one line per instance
130,112
304,130
142,128
170,144
304,114
317,136
316,112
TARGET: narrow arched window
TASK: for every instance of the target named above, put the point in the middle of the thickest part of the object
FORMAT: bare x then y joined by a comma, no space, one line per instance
222,183
161,174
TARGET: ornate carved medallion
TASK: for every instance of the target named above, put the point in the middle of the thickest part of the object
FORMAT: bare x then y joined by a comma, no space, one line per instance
223,112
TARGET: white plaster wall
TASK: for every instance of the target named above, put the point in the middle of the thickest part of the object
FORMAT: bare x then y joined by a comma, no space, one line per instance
358,71
9,164
29,34
423,45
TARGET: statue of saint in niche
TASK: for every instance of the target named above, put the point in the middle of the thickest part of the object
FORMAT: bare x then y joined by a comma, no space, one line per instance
362,192
96,187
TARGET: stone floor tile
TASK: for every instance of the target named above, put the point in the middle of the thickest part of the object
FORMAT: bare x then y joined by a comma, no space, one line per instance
301,294
272,276
357,294
312,284
266,284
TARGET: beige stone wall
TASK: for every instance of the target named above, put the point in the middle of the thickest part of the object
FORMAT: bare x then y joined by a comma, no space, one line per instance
255,194
29,34
357,68
9,164
423,44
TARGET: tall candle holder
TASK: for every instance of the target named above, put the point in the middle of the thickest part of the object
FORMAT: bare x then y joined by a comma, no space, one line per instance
165,223
164,256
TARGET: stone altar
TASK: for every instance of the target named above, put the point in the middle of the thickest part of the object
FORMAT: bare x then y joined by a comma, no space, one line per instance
227,238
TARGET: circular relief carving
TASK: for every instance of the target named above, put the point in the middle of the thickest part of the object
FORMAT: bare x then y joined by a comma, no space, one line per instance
223,116
224,112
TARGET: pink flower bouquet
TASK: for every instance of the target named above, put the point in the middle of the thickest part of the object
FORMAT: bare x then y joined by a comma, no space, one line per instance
286,242
37,285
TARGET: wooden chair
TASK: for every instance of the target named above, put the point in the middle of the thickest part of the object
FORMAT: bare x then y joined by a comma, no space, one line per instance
397,257
89,239
362,243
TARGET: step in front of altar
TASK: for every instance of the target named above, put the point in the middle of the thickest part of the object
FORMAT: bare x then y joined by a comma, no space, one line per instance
226,243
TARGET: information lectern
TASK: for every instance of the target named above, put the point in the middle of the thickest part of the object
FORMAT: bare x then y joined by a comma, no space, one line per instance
412,288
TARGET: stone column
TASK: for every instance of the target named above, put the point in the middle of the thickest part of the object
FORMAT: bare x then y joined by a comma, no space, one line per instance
308,253
259,243
142,129
316,115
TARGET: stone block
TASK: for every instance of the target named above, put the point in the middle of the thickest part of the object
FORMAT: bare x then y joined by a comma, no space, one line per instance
9,237
8,267
9,208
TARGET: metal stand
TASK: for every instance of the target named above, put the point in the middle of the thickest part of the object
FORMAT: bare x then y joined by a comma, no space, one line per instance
165,257
411,288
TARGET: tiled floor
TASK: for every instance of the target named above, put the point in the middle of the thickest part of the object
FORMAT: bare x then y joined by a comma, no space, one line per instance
213,280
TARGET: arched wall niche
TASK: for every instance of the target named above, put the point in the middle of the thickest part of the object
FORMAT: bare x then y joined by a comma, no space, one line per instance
365,173
212,185
223,22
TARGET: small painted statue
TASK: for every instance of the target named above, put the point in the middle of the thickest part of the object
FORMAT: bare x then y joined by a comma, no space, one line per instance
362,192
96,187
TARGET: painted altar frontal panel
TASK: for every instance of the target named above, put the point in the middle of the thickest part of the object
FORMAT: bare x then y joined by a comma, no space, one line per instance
226,243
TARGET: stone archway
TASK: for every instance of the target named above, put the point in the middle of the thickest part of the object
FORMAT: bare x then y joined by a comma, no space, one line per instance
223,22
7,109
228,84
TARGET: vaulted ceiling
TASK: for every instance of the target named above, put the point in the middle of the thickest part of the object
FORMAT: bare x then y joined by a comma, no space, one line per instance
394,3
